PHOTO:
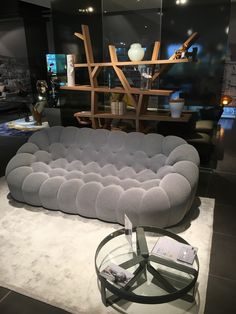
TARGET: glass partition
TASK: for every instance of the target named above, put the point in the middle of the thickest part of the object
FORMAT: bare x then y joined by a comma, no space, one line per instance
126,23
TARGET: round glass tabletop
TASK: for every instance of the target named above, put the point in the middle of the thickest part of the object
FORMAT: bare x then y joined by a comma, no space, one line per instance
145,267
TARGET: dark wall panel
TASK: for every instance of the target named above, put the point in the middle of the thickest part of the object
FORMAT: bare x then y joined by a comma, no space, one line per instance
200,82
67,19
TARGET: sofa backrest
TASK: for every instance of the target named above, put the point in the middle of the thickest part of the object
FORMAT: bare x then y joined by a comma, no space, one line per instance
135,149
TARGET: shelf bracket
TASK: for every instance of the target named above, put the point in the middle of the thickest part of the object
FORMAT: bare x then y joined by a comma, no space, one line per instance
79,35
156,50
121,76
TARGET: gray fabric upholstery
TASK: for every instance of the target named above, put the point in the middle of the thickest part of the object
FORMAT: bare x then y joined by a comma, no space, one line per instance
104,174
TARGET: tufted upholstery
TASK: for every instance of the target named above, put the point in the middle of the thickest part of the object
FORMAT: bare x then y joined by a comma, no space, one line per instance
104,174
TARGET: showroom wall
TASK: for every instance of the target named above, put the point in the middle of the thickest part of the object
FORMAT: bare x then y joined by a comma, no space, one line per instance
23,43
13,53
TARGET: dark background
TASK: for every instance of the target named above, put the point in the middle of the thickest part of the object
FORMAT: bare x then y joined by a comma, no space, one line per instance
43,30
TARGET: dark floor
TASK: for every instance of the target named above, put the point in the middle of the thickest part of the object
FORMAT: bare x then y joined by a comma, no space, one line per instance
216,183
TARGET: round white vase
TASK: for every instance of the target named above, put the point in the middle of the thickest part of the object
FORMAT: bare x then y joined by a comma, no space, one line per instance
136,52
176,107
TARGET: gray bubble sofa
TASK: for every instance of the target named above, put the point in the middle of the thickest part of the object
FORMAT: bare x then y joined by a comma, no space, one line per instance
105,174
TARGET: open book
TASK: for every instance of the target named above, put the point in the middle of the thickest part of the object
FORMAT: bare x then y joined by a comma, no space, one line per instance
117,274
169,248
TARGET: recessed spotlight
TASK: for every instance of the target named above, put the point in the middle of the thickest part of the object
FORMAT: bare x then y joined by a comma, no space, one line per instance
181,2
90,9
87,10
189,32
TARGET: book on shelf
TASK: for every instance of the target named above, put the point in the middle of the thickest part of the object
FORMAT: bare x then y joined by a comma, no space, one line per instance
116,274
169,248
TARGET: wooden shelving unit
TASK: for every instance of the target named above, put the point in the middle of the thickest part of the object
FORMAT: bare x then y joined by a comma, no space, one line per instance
138,98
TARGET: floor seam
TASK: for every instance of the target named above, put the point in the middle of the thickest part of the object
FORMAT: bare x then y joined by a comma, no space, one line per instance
221,277
225,234
5,296
225,172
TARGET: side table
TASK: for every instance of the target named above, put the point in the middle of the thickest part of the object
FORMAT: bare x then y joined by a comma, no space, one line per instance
155,279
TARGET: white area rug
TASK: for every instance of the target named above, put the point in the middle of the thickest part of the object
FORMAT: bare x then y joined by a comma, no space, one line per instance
50,256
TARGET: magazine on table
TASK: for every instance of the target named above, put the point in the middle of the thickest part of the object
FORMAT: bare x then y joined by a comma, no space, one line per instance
169,248
117,274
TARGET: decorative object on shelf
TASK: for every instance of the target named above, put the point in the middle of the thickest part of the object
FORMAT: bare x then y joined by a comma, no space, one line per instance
70,70
176,107
114,107
121,107
136,52
54,99
37,109
146,78
118,106
110,80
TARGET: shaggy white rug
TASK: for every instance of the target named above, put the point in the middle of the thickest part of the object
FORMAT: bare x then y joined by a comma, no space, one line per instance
49,256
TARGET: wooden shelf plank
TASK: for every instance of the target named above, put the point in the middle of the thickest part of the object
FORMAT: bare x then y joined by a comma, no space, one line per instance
154,116
85,114
120,90
108,115
78,87
159,92
105,115
165,116
131,63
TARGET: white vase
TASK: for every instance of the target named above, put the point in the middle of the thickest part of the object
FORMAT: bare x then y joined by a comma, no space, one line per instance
115,107
121,107
136,52
70,70
176,107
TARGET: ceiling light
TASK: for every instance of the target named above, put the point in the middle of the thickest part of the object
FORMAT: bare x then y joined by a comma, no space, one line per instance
90,9
181,2
87,10
189,32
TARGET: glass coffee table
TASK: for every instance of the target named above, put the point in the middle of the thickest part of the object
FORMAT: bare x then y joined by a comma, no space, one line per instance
155,279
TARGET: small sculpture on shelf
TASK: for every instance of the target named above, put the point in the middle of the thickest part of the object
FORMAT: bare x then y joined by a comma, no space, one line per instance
37,109
146,78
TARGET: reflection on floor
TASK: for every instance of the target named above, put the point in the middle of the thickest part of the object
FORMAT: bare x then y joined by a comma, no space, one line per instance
218,183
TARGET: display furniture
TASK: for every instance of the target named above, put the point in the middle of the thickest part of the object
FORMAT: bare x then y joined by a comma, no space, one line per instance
155,280
103,174
138,97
